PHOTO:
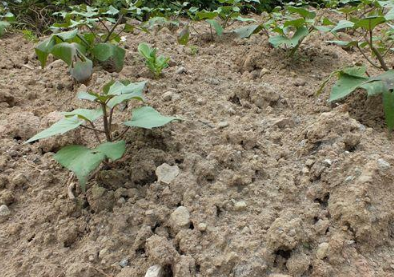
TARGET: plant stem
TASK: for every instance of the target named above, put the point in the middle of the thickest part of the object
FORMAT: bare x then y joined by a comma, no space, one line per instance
368,59
105,119
111,112
375,51
122,134
105,26
113,28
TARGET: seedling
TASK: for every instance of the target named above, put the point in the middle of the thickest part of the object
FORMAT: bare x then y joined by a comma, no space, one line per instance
79,49
155,63
374,49
5,22
81,160
298,24
218,19
287,29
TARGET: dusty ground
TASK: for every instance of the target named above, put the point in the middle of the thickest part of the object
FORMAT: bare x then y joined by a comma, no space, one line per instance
274,179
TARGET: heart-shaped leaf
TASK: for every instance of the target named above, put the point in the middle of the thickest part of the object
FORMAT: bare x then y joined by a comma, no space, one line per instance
60,127
247,31
82,70
82,160
110,52
148,118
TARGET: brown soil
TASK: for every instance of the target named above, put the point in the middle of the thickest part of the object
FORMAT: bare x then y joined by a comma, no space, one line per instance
276,181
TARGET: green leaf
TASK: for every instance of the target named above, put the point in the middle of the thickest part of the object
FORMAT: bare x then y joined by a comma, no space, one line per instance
82,70
3,26
388,107
82,160
108,51
148,118
370,22
342,24
296,23
206,15
85,114
183,37
374,88
60,127
145,50
125,97
302,12
247,31
67,35
113,150
343,43
348,80
44,49
300,34
243,19
218,28
83,95
118,88
67,51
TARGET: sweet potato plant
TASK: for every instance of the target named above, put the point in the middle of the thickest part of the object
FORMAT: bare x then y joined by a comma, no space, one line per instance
86,42
375,42
81,160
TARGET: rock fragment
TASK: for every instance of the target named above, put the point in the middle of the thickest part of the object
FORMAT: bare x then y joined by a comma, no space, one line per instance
155,271
322,250
180,218
166,173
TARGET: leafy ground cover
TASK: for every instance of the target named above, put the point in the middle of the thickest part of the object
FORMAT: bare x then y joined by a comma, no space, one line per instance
262,177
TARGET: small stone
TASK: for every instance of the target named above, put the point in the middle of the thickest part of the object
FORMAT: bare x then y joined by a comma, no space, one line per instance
322,250
327,162
284,122
300,83
19,180
223,124
121,201
155,271
263,72
201,101
180,218
124,262
7,197
349,179
383,165
91,258
82,88
103,252
309,162
240,206
167,96
166,173
4,213
181,70
202,227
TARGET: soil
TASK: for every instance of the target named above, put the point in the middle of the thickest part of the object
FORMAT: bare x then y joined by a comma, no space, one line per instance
273,180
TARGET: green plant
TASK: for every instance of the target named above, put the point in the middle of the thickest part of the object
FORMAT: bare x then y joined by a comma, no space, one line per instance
82,160
218,20
286,28
80,48
155,63
374,46
297,24
5,22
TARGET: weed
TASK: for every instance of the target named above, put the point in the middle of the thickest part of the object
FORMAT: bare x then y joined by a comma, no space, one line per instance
155,63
